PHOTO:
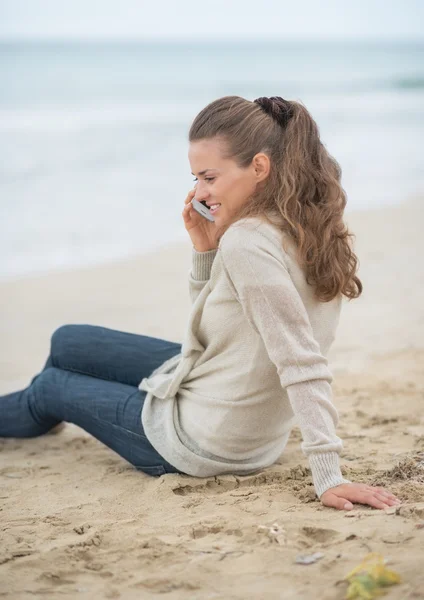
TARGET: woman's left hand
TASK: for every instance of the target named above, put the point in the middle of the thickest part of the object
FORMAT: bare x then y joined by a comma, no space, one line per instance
343,495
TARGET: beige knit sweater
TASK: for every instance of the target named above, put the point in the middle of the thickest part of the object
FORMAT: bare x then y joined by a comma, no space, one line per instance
252,364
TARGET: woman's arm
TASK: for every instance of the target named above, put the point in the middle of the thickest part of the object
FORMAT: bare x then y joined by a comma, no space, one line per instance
274,308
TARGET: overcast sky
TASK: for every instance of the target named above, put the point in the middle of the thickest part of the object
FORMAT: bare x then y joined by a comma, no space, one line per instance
184,19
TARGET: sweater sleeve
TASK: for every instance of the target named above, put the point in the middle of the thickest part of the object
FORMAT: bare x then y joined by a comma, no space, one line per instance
274,308
200,271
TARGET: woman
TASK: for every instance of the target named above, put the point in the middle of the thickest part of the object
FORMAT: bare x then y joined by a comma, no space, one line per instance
266,284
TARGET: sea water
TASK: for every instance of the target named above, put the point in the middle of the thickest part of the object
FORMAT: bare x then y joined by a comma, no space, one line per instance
93,136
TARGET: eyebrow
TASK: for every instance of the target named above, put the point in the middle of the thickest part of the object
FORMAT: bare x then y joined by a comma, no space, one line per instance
203,172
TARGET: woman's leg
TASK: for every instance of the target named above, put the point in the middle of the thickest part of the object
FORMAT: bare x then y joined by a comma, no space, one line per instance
110,411
103,356
107,353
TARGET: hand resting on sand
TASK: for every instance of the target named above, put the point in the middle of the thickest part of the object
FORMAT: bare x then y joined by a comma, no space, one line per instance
343,495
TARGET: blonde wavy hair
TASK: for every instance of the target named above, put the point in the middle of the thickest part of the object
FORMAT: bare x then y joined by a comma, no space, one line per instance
302,195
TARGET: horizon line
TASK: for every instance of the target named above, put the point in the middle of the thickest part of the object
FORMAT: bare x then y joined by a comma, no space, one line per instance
226,38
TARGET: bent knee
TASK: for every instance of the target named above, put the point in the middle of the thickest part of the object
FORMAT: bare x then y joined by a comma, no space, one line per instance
71,331
65,337
62,333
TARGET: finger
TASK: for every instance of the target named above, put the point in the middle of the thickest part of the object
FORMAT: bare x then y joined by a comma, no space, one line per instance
334,501
384,499
386,493
368,495
190,196
373,501
363,493
186,213
392,500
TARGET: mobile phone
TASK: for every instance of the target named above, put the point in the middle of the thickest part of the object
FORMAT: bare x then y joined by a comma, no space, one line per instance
203,209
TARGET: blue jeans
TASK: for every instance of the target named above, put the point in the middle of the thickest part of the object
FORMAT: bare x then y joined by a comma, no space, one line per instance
91,379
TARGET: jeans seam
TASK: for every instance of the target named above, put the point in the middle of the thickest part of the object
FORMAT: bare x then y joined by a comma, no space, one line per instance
31,407
100,420
119,406
89,414
90,374
137,435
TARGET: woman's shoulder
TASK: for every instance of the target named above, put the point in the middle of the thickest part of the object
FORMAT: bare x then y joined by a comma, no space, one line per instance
256,232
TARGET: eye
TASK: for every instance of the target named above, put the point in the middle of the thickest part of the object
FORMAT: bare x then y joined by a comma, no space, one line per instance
206,179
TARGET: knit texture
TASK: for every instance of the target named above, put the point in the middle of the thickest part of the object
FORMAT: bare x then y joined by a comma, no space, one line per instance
252,364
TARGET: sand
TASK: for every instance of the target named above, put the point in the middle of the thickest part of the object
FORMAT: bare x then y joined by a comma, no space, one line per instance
77,521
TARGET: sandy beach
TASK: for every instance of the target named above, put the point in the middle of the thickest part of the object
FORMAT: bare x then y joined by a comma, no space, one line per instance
77,521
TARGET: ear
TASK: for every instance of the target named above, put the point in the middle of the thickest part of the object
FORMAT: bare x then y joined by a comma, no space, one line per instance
261,166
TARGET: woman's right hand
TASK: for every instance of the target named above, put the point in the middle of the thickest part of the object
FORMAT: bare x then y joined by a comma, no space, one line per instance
201,231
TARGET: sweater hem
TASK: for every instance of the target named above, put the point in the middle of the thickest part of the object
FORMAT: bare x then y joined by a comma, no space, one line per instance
166,441
326,471
202,264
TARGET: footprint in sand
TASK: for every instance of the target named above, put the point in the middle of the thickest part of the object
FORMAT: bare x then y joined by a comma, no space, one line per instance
165,585
203,530
15,472
319,534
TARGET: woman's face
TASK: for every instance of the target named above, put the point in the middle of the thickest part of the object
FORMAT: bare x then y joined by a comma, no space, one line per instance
220,180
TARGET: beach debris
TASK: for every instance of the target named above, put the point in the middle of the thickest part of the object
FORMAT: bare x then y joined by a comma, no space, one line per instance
223,553
308,559
393,510
82,529
411,468
275,533
368,579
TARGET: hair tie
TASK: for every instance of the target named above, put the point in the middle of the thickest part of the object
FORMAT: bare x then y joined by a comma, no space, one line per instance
277,108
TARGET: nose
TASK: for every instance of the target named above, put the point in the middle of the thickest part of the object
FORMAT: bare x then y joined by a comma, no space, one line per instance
201,192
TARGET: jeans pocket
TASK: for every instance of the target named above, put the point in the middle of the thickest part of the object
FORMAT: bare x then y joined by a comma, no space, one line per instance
154,470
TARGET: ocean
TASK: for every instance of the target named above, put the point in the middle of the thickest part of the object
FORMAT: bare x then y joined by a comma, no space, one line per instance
94,144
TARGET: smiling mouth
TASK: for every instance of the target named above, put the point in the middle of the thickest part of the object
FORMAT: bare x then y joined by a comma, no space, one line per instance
210,205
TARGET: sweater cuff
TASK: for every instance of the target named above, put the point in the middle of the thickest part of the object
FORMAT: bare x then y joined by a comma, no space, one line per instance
202,264
326,471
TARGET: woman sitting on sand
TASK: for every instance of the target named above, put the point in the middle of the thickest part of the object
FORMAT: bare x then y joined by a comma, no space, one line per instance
266,284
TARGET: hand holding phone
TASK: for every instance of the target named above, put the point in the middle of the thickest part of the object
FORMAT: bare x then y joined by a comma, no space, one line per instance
199,224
